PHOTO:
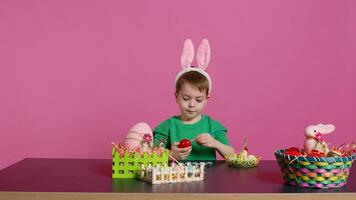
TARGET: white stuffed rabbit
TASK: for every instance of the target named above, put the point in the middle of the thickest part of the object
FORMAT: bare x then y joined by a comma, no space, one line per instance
314,138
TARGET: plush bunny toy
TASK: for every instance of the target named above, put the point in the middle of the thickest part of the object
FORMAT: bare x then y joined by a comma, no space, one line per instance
314,139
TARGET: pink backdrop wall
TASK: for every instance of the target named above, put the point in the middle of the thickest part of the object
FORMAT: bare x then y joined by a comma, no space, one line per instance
75,75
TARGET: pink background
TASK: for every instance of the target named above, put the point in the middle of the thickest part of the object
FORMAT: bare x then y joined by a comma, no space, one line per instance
76,75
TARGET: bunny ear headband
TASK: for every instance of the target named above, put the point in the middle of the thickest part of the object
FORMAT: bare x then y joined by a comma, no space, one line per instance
202,57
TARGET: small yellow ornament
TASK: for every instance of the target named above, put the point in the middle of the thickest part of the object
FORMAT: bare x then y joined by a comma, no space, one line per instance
242,155
242,159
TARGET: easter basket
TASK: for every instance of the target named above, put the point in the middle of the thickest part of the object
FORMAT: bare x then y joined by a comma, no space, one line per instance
243,159
234,162
128,165
314,172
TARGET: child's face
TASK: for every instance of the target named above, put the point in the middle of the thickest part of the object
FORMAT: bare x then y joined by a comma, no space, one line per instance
191,102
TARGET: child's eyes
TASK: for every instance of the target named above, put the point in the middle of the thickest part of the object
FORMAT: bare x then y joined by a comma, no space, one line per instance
188,98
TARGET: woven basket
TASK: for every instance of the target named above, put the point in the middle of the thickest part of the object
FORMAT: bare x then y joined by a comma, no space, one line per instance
231,161
314,172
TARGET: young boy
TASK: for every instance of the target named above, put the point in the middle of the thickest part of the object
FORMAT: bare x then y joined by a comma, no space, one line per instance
193,86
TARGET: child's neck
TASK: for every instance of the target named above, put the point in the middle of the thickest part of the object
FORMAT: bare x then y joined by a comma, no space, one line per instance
190,121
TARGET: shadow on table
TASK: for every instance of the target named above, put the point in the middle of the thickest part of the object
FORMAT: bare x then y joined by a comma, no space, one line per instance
293,189
104,170
271,177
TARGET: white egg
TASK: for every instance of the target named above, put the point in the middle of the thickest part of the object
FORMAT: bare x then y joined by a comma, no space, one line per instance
250,158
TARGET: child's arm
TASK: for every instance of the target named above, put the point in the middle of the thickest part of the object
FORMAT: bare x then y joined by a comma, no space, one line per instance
207,140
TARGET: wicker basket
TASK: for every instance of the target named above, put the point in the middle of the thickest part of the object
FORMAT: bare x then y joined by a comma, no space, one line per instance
314,172
231,161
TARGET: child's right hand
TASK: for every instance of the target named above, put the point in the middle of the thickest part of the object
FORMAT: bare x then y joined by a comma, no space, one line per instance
180,153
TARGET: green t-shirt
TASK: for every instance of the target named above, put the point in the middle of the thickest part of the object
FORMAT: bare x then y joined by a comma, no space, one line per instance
173,130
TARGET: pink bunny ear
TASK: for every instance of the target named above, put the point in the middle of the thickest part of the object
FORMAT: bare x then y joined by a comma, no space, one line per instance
203,55
187,54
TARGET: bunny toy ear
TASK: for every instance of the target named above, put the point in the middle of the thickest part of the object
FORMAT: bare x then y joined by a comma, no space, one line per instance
203,54
187,54
326,129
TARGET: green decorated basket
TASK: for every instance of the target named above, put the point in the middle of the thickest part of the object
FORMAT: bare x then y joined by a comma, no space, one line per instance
234,162
127,166
314,172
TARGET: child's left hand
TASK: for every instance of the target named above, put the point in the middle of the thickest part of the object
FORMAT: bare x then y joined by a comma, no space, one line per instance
206,140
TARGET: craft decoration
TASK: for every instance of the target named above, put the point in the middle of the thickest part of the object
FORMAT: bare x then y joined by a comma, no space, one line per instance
137,150
315,137
243,159
318,164
136,135
126,163
175,173
184,143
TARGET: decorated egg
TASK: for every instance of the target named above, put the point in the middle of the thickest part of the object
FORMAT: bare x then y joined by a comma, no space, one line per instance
293,151
251,158
316,153
184,143
139,133
243,154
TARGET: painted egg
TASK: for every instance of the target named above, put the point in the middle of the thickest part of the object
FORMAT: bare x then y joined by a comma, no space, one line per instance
251,158
135,135
184,143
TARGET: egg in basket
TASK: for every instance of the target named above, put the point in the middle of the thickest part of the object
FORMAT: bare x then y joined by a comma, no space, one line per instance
243,159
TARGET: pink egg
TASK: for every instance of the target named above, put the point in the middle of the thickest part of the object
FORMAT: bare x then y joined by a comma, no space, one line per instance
135,135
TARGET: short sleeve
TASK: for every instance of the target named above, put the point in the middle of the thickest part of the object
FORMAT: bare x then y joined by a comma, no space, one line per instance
221,137
219,133
161,134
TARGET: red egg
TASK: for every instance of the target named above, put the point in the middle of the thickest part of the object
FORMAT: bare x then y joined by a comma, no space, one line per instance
184,143
293,151
345,155
316,153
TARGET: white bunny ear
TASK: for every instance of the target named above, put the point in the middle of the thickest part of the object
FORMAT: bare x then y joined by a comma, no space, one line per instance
203,54
326,129
187,54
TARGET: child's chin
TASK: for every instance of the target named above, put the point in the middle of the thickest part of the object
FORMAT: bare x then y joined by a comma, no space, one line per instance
191,116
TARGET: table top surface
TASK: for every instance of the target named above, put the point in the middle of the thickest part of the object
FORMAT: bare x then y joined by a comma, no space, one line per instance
94,175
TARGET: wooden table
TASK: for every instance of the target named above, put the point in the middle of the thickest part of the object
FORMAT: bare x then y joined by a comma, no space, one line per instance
35,178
